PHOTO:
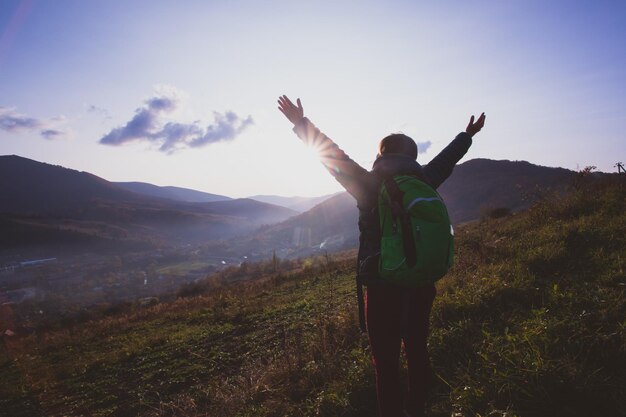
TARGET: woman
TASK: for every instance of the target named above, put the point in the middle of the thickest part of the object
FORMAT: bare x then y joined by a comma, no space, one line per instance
393,314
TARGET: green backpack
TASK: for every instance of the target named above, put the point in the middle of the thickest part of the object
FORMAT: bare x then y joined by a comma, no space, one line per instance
417,239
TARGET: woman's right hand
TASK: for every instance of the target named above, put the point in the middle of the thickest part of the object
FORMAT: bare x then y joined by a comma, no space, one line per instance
291,111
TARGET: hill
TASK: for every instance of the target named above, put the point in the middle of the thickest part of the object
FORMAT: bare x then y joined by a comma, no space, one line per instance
481,184
330,225
300,204
528,323
95,211
31,187
173,193
44,204
474,188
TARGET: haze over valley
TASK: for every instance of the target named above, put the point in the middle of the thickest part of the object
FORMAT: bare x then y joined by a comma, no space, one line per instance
110,242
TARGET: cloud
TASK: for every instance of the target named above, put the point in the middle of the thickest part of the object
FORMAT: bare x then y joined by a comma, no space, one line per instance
92,108
139,127
162,103
423,147
227,127
174,133
12,121
51,133
148,124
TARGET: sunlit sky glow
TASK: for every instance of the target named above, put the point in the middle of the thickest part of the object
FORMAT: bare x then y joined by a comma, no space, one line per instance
184,93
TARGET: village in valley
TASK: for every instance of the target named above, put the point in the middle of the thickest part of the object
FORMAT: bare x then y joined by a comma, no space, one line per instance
52,288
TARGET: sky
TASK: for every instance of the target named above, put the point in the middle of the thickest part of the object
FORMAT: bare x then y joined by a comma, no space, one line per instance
184,93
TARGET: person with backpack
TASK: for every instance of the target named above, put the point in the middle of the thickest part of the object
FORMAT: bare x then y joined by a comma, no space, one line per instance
405,245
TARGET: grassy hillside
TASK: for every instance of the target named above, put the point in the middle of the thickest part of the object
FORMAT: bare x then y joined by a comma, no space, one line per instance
531,322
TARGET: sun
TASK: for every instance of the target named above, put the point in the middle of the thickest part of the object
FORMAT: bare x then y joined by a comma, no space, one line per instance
314,149
303,165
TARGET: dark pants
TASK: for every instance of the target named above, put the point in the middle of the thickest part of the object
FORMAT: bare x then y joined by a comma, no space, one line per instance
396,314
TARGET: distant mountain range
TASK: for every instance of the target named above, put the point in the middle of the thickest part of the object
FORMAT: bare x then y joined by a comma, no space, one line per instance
173,193
47,204
475,187
300,204
330,225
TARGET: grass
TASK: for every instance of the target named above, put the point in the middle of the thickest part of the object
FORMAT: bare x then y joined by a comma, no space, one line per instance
530,322
184,268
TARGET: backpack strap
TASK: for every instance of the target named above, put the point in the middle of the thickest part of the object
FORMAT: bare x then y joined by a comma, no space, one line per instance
397,208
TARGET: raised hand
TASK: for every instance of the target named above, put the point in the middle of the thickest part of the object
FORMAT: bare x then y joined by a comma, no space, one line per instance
291,111
473,128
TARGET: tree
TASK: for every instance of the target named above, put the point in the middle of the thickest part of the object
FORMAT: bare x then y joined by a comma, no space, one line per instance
275,261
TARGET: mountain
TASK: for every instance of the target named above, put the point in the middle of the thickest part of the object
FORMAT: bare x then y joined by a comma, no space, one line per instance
30,187
330,225
300,204
45,200
173,193
251,210
481,184
44,204
473,188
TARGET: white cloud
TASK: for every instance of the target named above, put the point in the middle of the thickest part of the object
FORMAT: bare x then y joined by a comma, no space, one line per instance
12,121
149,124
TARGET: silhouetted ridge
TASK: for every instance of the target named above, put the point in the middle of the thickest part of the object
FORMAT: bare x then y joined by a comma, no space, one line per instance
35,187
480,184
43,203
474,188
300,204
173,193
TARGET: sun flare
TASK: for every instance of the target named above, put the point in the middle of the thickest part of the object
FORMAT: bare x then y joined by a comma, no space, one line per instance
314,149
304,167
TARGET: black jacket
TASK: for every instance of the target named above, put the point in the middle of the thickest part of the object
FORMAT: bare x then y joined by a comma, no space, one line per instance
364,185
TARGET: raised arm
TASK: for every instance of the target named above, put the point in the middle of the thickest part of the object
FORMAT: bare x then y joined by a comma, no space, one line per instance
350,175
440,168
